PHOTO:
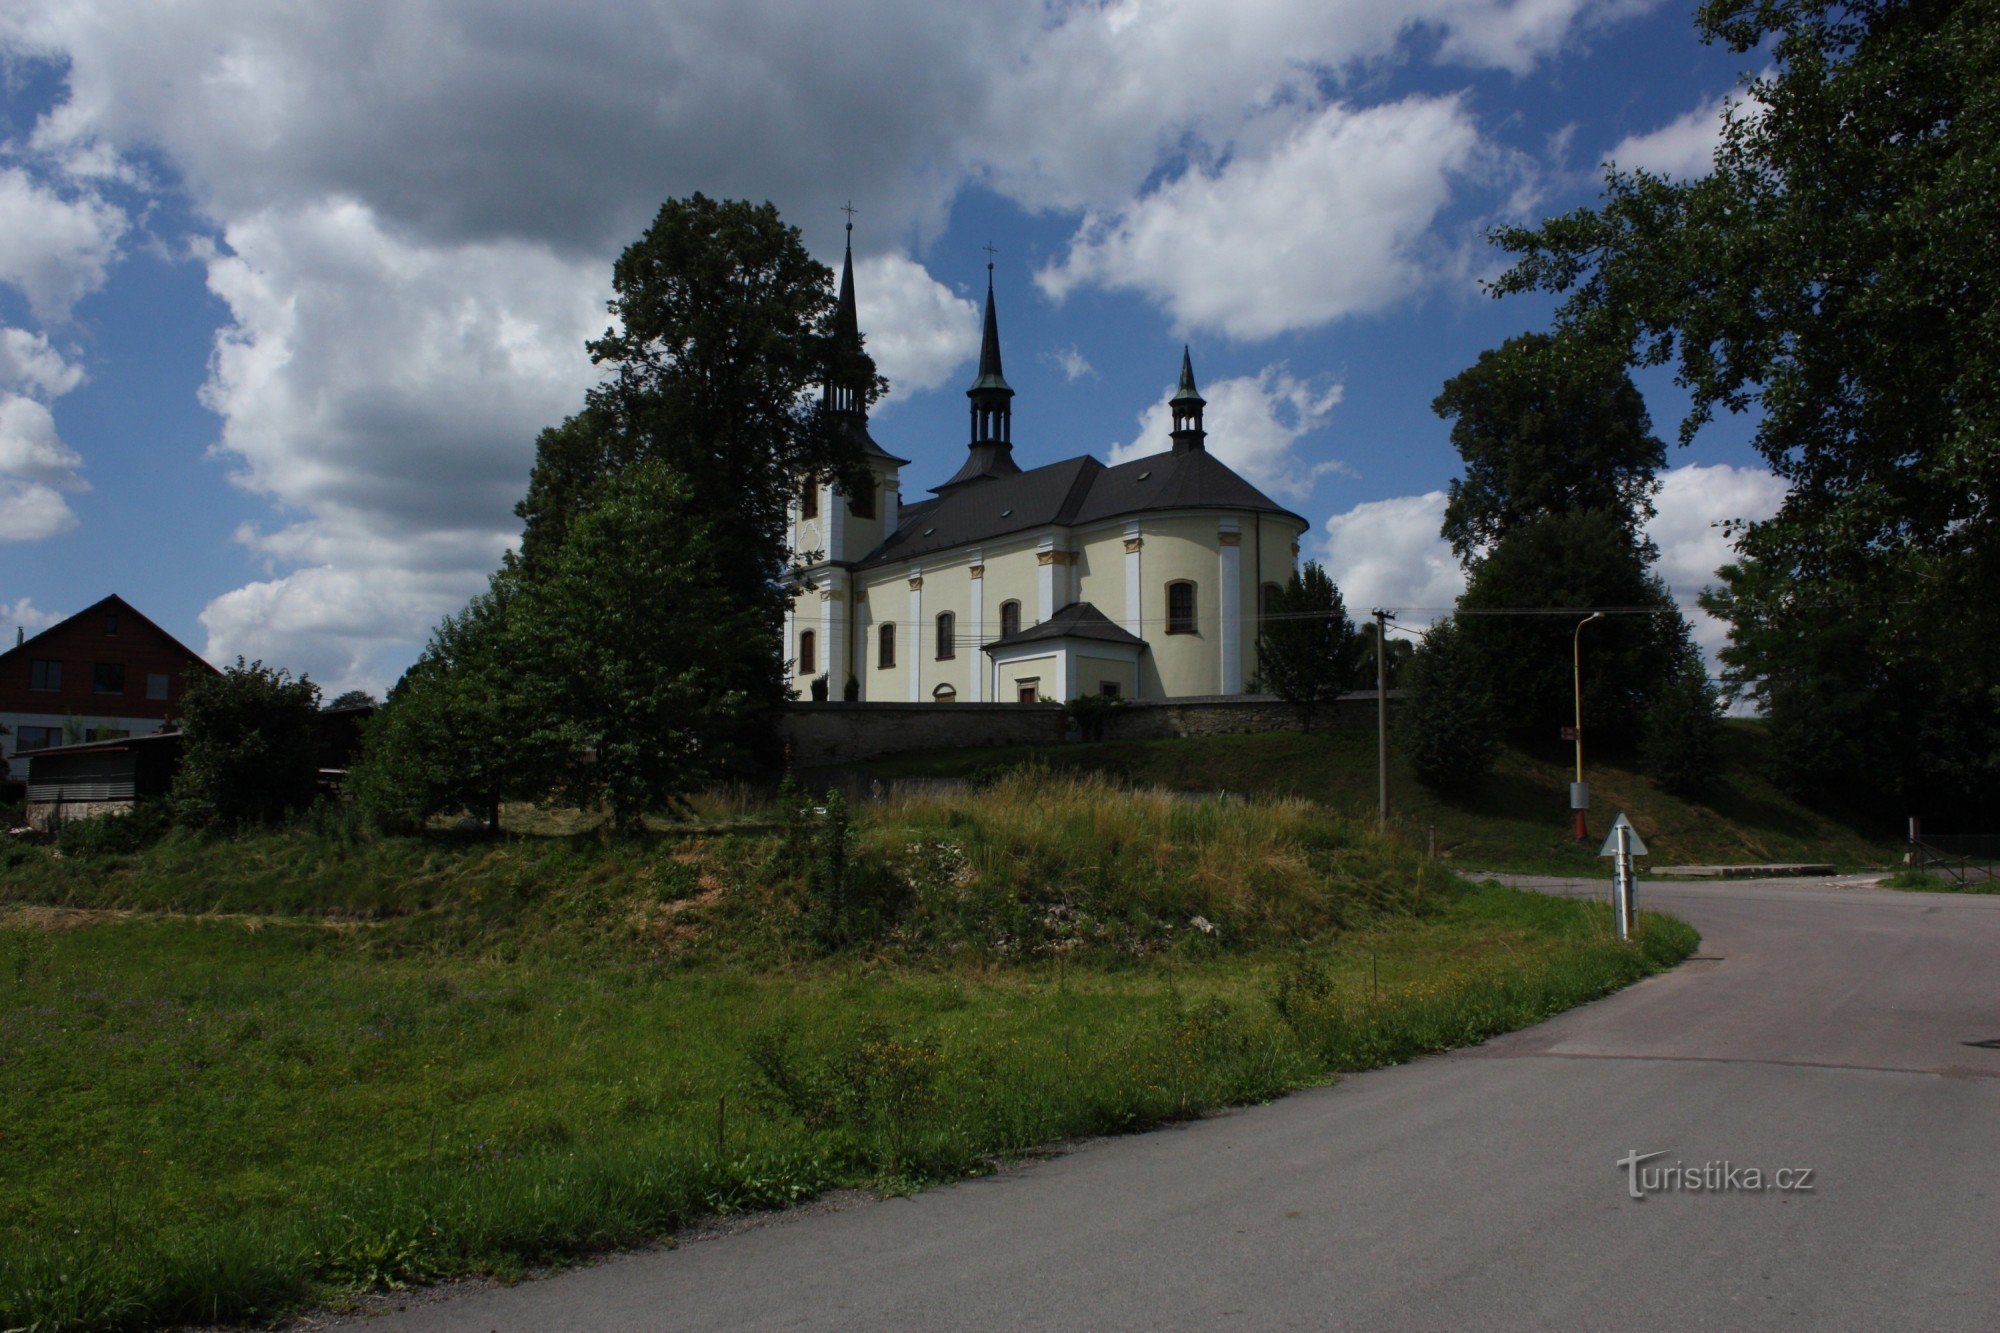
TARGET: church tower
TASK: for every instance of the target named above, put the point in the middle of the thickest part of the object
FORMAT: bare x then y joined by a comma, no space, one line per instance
991,452
1186,405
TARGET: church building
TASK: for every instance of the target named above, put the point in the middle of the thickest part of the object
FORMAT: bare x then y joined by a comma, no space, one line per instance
1142,580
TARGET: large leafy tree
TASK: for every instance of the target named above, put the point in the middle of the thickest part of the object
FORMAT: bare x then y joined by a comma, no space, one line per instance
1835,271
725,328
1305,642
1516,636
623,641
1546,425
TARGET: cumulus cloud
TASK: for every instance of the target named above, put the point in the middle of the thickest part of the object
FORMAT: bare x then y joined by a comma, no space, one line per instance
54,249
1683,148
1255,424
918,329
1388,553
1073,364
1694,504
24,615
390,391
1338,210
35,465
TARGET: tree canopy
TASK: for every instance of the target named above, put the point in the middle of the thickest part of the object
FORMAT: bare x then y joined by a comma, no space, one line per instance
1546,425
1835,273
249,747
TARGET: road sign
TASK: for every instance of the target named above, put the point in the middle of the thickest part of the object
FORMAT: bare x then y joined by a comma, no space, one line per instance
1633,846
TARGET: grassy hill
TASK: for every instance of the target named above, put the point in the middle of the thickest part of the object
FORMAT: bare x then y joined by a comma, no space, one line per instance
248,1076
1517,820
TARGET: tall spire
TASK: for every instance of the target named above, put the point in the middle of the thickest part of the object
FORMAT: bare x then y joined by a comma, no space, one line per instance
841,393
991,452
1186,405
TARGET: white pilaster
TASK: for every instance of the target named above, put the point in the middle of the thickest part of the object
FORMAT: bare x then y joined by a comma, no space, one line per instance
1229,602
833,508
791,650
976,647
1134,588
914,638
832,636
1045,582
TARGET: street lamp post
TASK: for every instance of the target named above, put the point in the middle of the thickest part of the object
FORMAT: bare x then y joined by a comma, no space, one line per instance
1577,798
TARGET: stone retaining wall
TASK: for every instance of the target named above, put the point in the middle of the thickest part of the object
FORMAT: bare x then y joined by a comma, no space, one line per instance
828,735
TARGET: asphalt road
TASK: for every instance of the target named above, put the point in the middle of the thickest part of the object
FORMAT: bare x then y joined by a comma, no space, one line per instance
1824,1026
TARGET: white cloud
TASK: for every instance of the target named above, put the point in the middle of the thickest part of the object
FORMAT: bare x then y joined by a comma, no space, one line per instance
1073,364
35,467
1255,424
1693,504
1388,553
918,330
1683,148
1329,222
55,249
30,511
390,392
28,364
23,614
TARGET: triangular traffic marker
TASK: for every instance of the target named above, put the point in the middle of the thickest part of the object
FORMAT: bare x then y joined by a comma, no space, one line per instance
1634,843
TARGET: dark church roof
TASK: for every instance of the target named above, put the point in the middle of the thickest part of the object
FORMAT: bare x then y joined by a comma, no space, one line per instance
1078,620
1074,491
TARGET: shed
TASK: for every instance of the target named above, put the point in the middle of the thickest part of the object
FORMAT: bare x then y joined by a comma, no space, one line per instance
99,777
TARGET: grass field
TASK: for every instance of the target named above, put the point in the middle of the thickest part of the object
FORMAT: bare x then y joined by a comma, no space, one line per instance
1518,820
242,1078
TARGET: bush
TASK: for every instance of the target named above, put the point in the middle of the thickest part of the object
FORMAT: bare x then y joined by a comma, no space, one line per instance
250,748
116,835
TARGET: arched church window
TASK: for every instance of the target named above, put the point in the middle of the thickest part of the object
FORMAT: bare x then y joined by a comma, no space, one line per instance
1010,619
808,654
885,646
1267,600
947,636
944,694
1180,607
809,500
862,503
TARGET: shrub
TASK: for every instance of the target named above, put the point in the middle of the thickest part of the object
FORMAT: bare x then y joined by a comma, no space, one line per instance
1681,737
250,748
116,834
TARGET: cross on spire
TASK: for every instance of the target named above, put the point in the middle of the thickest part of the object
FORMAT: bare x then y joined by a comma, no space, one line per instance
990,252
848,208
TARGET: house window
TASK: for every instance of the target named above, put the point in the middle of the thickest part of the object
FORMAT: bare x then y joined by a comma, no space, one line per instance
808,654
809,500
1010,619
156,685
947,636
45,676
1180,607
36,738
1108,688
885,646
944,694
862,504
107,677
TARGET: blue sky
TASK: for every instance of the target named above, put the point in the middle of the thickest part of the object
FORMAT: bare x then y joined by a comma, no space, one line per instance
287,291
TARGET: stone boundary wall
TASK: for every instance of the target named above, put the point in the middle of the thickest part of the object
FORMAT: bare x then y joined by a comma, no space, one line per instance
828,735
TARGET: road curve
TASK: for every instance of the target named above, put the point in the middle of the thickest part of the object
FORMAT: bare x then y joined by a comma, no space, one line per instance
1825,1026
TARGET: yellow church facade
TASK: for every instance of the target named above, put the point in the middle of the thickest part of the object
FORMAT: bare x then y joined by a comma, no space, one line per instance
1140,580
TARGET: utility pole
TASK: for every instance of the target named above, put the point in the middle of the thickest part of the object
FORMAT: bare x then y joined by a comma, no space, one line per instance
1382,619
